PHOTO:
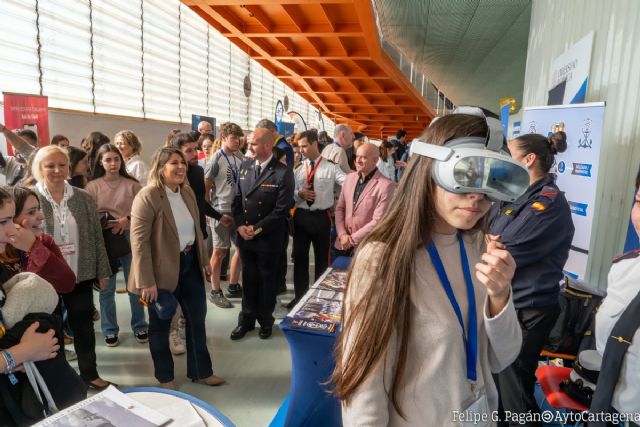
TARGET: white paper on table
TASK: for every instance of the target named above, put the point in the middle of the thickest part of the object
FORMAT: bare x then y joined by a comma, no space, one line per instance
183,411
105,402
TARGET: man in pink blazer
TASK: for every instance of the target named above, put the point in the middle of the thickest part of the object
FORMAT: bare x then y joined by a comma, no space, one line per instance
365,195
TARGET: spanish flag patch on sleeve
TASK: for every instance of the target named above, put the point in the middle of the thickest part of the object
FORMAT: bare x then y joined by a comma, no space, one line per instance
537,206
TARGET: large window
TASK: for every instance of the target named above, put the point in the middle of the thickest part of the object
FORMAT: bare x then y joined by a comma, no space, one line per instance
155,59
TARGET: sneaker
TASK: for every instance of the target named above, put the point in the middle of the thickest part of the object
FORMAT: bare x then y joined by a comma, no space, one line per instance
96,315
176,345
234,291
142,336
70,355
111,340
217,297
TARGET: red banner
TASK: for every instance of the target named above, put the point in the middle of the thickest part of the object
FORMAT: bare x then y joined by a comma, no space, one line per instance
27,112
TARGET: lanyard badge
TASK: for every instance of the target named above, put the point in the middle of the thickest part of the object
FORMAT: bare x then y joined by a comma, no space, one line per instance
234,168
470,337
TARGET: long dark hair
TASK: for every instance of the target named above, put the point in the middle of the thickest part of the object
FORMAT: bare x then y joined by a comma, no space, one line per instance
5,196
20,195
99,171
91,144
545,148
386,306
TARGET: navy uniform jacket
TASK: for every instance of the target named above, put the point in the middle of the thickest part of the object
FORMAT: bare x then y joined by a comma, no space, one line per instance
537,230
263,203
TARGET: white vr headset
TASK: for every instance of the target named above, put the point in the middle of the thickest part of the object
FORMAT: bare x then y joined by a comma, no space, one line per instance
475,164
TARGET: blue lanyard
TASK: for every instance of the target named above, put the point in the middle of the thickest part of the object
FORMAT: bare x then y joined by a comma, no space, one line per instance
234,168
470,339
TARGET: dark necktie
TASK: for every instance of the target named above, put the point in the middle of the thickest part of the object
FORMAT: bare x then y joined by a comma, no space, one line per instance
310,202
258,170
617,345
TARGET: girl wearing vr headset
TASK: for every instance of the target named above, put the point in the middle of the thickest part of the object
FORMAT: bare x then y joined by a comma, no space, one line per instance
428,314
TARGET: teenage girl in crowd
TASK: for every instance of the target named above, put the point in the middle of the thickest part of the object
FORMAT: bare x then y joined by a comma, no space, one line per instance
113,190
72,219
130,147
33,346
385,162
78,165
206,141
91,144
30,249
402,356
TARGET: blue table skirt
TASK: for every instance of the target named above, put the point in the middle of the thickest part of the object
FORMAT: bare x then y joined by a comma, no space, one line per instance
310,402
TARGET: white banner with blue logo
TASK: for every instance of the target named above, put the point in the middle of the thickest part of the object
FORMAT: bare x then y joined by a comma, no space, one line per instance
576,169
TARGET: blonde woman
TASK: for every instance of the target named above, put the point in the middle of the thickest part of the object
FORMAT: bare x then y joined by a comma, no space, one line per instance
130,147
169,256
71,217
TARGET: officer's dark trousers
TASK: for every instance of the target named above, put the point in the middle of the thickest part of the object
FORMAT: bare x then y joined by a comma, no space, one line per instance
517,382
311,228
259,285
191,295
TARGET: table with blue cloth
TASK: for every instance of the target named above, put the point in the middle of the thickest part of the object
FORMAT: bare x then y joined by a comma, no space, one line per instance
310,402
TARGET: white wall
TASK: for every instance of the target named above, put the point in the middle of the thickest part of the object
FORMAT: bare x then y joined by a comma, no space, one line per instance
613,77
76,126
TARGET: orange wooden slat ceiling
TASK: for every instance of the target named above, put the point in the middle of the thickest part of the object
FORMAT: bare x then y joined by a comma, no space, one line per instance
329,53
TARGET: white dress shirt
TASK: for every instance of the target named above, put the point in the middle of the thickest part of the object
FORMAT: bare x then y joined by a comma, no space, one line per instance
263,164
327,181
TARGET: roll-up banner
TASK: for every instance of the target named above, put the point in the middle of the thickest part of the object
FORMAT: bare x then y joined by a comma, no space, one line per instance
23,111
576,169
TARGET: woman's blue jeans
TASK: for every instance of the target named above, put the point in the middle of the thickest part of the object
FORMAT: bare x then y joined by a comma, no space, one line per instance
108,317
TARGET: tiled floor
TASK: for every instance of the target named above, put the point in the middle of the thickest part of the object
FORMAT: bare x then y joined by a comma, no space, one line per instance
257,371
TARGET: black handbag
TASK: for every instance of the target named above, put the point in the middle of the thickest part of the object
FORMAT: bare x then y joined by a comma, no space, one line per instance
117,245
577,311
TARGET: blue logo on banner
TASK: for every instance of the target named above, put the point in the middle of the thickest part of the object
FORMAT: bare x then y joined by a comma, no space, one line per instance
578,208
581,169
561,167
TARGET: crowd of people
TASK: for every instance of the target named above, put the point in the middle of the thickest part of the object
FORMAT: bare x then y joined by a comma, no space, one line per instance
420,339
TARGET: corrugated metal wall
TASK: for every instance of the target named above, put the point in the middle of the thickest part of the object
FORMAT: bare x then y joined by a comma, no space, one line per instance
615,78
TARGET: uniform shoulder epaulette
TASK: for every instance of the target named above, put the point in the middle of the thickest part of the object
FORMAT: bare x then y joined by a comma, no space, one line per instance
549,192
545,199
627,255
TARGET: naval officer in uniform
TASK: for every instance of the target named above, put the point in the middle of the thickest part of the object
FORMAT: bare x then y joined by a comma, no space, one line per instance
264,195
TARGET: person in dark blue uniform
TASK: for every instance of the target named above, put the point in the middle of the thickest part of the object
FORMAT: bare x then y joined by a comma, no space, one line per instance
264,194
537,230
280,148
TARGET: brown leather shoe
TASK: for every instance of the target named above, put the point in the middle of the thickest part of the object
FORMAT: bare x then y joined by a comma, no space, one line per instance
213,381
171,385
